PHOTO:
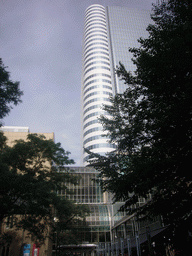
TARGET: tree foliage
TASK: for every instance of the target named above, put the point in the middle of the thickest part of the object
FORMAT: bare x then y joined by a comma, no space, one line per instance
9,92
150,123
29,181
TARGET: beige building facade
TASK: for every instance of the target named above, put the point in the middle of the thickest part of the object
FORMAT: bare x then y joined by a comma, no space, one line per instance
20,133
19,242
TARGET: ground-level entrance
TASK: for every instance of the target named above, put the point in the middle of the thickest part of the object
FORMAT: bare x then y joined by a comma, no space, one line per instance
76,250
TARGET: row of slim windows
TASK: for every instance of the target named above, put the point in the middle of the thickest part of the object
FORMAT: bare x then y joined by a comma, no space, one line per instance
96,99
98,36
95,129
96,39
97,67
97,80
101,28
95,15
93,114
90,190
81,197
99,74
97,43
90,123
95,23
95,19
96,57
97,86
82,192
95,8
92,107
96,62
96,93
96,52
97,137
96,31
94,199
101,145
96,48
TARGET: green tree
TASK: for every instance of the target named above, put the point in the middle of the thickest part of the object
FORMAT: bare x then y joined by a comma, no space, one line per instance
68,229
29,183
151,122
9,92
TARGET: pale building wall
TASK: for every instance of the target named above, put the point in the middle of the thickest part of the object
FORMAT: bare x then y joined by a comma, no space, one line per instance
13,134
21,236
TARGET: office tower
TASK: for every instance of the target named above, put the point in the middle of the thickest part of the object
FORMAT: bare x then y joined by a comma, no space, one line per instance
108,34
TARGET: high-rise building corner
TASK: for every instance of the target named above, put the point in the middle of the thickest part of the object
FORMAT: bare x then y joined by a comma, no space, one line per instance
109,32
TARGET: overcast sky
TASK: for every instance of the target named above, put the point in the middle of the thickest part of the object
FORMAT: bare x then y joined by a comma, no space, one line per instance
41,43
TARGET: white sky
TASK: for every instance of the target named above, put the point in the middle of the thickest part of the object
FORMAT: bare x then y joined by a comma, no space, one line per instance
41,44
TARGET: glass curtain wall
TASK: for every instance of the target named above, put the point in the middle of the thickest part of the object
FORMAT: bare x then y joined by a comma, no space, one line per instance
96,228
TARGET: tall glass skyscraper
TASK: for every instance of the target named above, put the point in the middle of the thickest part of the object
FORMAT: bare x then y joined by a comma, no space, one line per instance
108,34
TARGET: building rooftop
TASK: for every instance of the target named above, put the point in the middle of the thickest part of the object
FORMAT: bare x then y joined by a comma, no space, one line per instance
14,129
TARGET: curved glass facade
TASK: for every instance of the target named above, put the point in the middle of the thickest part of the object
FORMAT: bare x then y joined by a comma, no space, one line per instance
109,32
96,79
87,191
